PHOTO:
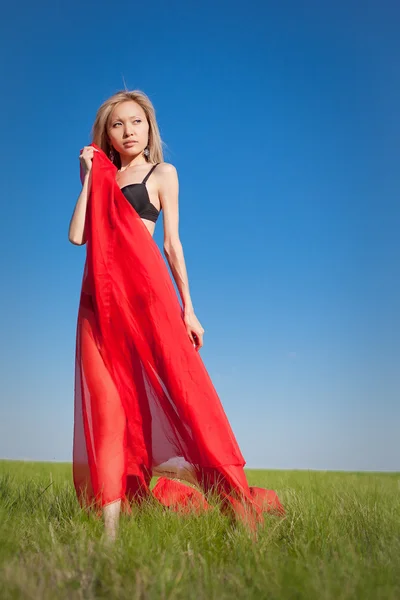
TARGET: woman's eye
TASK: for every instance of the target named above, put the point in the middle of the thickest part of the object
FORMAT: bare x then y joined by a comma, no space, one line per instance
135,121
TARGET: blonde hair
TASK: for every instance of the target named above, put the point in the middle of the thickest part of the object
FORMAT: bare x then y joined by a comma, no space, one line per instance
99,129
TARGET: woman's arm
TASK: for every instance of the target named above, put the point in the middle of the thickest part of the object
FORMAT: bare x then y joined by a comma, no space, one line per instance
168,194
76,234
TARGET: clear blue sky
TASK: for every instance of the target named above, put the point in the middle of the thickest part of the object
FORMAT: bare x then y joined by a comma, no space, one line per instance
282,120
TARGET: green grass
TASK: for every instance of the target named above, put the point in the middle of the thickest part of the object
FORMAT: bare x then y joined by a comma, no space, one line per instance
340,539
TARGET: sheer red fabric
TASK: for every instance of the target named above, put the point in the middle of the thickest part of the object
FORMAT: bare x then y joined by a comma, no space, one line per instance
144,403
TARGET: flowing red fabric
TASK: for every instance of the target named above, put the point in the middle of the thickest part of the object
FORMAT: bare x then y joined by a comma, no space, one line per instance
144,402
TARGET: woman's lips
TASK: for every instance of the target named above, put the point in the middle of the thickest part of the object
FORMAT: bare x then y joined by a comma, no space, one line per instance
129,144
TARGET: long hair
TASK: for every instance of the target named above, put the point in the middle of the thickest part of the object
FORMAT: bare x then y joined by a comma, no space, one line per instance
99,129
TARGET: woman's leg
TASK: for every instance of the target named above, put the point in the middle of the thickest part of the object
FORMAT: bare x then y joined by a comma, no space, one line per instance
111,514
105,429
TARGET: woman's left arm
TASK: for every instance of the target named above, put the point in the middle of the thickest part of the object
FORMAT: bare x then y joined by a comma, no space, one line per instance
173,250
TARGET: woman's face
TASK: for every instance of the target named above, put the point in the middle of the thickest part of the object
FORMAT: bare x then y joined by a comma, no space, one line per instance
128,129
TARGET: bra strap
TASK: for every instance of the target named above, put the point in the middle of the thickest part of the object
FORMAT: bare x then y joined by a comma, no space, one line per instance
150,172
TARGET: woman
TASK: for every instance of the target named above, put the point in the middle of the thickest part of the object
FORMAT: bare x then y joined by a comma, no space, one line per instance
144,402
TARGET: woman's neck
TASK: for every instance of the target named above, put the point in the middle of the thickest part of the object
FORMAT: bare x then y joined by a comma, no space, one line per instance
127,161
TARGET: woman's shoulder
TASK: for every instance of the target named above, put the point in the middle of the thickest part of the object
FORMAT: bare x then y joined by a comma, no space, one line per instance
165,167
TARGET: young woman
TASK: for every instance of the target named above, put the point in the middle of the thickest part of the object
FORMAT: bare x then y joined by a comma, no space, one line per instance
144,402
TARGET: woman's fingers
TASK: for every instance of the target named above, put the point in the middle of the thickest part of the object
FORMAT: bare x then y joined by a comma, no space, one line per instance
197,339
194,329
88,150
200,341
86,157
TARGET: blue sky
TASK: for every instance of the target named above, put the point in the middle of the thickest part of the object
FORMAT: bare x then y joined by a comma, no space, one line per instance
282,121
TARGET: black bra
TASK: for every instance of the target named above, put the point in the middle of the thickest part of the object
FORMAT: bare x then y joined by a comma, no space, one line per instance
138,196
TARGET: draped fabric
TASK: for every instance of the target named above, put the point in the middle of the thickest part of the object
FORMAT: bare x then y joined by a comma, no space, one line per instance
144,403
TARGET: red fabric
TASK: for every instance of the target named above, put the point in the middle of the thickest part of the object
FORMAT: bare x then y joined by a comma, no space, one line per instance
267,500
179,497
144,402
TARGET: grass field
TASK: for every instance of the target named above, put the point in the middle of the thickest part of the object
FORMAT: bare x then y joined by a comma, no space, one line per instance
340,539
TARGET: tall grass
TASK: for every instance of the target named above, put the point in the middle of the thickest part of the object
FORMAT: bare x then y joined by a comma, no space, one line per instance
340,539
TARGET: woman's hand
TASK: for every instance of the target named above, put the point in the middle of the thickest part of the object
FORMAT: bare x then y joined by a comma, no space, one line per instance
194,329
86,158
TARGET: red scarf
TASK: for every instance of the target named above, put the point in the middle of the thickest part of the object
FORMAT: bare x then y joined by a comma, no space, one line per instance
144,402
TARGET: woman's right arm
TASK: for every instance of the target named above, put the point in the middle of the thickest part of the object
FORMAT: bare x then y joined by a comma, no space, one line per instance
76,233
